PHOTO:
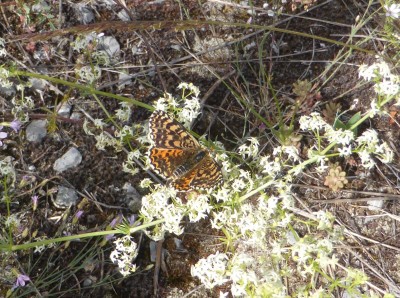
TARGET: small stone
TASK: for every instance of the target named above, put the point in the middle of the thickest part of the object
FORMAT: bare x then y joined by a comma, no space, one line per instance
123,15
124,80
38,84
110,45
36,130
76,116
64,109
132,197
87,282
70,159
179,245
153,251
8,90
66,197
83,13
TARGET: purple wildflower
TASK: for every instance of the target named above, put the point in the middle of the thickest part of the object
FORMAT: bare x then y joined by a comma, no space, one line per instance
21,281
16,125
109,237
132,220
116,221
35,202
79,214
3,135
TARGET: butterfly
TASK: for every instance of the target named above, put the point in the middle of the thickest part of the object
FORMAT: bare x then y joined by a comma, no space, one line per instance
178,157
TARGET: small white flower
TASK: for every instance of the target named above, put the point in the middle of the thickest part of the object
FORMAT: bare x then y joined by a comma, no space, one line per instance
387,87
392,11
99,123
374,110
268,167
366,159
312,122
89,73
212,270
198,208
192,88
292,152
369,138
124,113
340,136
125,252
146,183
384,152
345,151
367,72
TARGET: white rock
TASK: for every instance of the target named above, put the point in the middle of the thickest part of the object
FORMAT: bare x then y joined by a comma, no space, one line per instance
36,130
64,109
110,45
70,159
65,197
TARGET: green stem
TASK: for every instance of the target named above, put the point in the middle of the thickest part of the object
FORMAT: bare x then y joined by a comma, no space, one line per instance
24,246
84,88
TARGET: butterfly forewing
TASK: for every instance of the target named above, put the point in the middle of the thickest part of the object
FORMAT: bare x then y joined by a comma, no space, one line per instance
168,133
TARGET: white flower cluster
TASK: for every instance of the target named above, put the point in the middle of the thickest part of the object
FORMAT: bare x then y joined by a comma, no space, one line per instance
392,10
188,106
158,205
310,254
103,140
88,73
254,269
162,203
253,274
7,168
250,150
3,50
124,254
129,166
124,113
212,270
21,104
386,83
198,207
365,145
368,144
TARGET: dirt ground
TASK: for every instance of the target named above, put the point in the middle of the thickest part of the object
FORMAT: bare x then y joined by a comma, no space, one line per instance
158,58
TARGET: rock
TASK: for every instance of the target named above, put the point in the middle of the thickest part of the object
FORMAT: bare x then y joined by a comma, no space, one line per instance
83,13
110,45
66,197
76,116
87,282
64,109
124,80
124,16
70,159
8,90
179,245
153,251
36,130
132,197
38,84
